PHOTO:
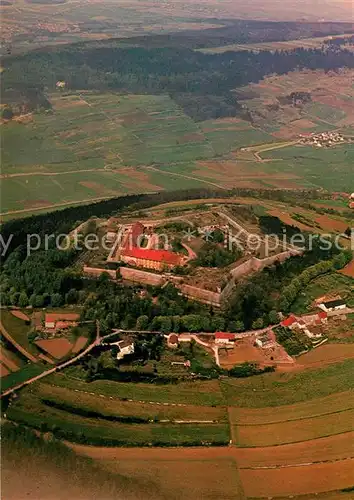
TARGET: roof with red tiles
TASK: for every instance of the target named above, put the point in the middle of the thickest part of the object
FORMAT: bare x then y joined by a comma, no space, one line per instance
224,335
155,255
289,321
54,317
322,315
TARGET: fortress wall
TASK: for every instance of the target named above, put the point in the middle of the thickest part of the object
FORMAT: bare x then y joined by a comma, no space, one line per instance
200,294
96,272
143,277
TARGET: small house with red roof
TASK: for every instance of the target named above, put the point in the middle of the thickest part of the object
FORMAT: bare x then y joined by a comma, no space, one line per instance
59,321
224,338
289,322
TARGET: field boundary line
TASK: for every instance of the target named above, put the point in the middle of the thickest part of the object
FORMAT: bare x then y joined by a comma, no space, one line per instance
159,403
292,419
293,442
187,177
304,464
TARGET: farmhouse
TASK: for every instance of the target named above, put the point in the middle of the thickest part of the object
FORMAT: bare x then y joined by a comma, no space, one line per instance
60,321
264,341
126,347
333,305
224,338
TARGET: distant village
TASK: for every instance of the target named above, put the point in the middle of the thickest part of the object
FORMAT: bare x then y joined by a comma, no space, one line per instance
322,140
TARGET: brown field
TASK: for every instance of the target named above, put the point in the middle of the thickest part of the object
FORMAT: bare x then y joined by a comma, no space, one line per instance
298,480
326,354
295,431
287,219
3,371
349,270
79,344
57,348
325,449
320,406
8,362
186,471
20,315
242,352
331,224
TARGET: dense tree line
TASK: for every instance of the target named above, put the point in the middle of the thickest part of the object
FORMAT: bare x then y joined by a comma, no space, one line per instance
201,83
236,31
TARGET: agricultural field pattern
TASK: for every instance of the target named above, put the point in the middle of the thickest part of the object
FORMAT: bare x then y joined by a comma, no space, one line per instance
93,146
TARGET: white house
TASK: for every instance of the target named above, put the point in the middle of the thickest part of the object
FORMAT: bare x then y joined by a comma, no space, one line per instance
264,341
333,305
125,347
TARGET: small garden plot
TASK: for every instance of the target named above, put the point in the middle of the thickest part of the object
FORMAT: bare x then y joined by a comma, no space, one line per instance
57,348
79,344
20,315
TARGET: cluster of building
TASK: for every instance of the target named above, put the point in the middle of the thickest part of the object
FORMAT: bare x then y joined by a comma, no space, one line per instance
60,321
305,322
324,139
351,201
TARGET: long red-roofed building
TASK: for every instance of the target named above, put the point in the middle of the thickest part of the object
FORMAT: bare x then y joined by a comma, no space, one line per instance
224,337
64,320
133,255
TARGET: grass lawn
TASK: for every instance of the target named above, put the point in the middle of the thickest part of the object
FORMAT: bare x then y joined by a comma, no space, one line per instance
330,168
29,410
277,389
18,330
117,408
25,373
206,393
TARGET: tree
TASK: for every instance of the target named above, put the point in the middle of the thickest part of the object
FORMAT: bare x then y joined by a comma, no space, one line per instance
273,317
236,326
257,324
23,300
72,296
192,345
7,113
142,323
192,322
14,297
218,323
